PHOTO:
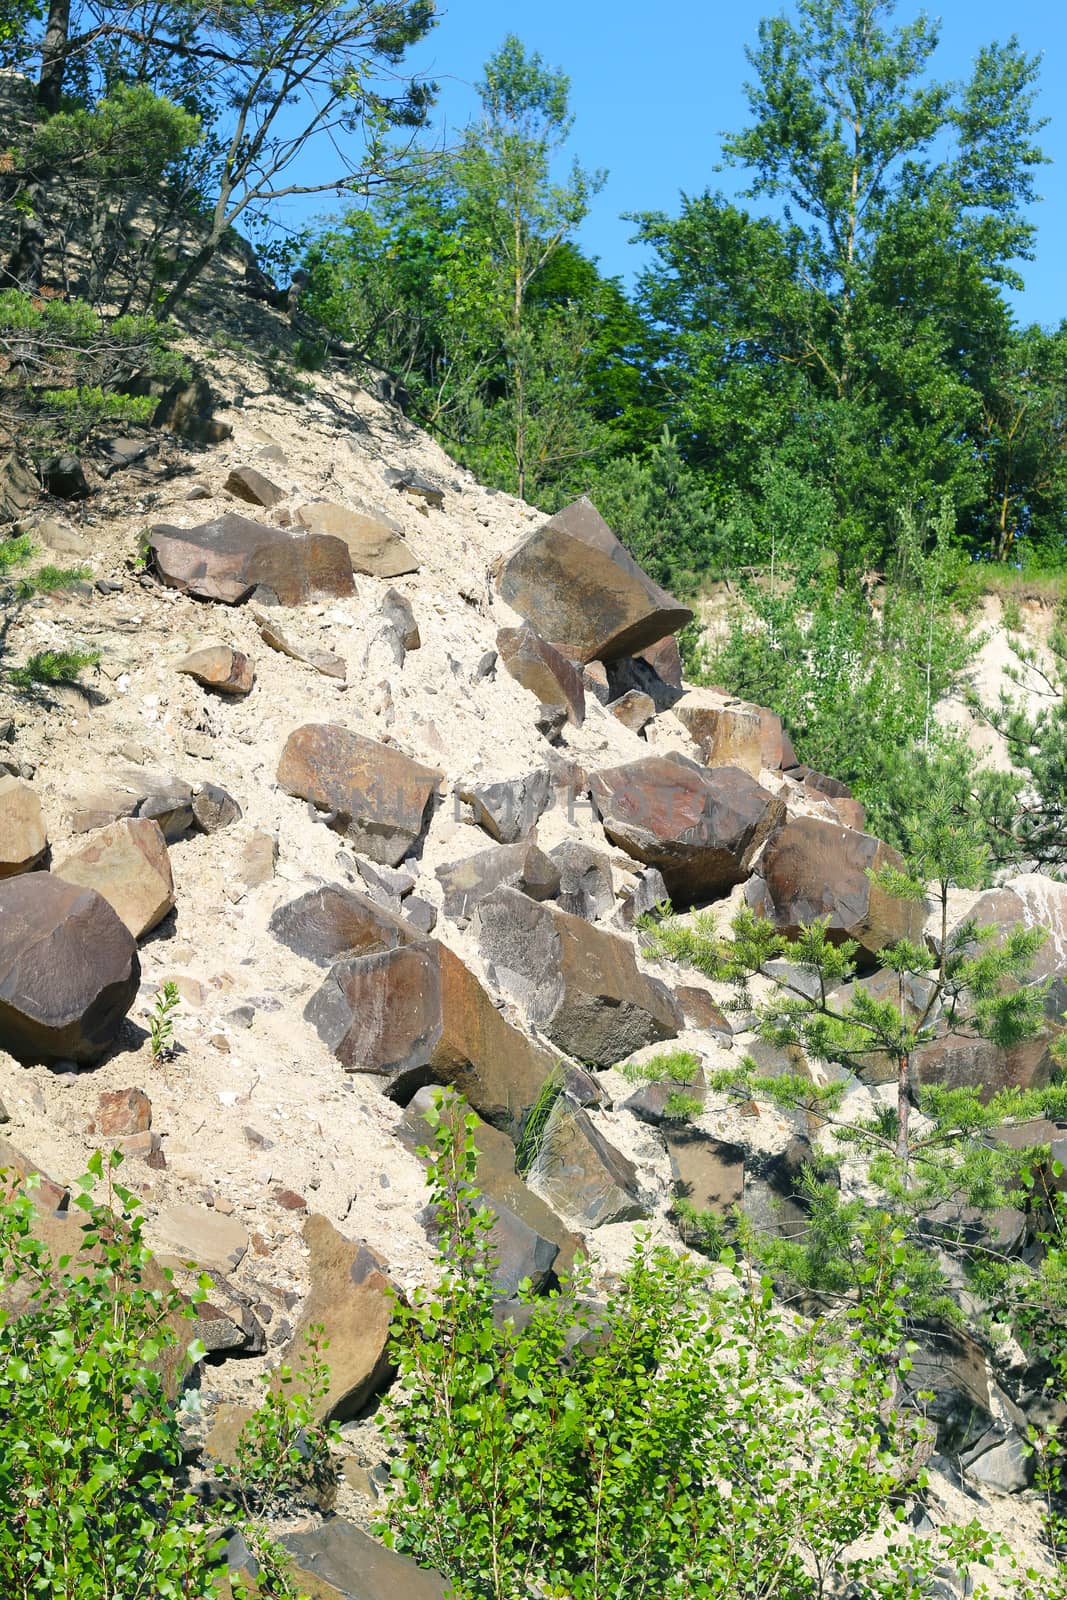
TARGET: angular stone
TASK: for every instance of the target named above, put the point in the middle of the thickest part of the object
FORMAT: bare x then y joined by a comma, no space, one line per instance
230,558
582,1174
387,885
64,477
701,828
349,1296
137,792
185,409
654,1103
214,809
415,486
378,797
510,809
126,862
1032,900
323,661
522,865
416,1015
727,732
121,1112
708,1173
665,659
23,839
331,922
209,1239
701,1011
420,914
374,548
1002,1461
245,483
259,855
68,970
338,1561
575,584
950,1366
396,609
542,669
959,1061
586,887
19,486
633,709
219,667
633,675
579,985
648,892
814,869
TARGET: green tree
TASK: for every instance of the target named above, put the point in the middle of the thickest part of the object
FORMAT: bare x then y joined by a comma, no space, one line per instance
842,329
1023,441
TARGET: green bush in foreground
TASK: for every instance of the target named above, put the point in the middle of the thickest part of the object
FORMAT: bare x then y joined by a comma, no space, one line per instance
685,1441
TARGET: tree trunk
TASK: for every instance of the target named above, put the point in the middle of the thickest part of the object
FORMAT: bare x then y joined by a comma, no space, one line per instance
903,1105
54,56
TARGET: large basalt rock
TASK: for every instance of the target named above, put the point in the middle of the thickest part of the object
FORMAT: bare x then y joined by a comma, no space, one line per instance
128,863
232,557
23,839
376,796
138,792
701,828
349,1297
338,1561
586,888
730,732
813,869
245,483
328,923
544,670
523,866
578,587
417,1015
68,970
509,810
582,1174
579,985
960,1061
374,547
708,1173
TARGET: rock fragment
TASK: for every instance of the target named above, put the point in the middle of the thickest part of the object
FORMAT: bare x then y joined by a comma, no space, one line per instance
128,863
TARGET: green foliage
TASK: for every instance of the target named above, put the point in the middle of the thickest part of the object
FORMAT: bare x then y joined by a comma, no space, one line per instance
162,1019
530,1140
283,1451
684,1441
47,668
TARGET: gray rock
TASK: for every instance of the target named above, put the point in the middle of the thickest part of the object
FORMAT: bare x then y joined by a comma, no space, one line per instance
586,887
582,1175
522,866
341,1554
510,809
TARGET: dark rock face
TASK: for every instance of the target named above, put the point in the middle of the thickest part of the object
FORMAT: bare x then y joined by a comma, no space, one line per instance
523,866
957,1061
416,1015
138,792
245,483
68,970
544,670
510,809
378,797
214,809
331,922
579,984
700,1011
232,557
816,869
582,1174
576,585
700,828
586,889
64,477
358,1568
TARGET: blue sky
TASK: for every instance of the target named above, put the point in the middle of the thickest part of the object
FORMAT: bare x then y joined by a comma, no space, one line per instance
653,86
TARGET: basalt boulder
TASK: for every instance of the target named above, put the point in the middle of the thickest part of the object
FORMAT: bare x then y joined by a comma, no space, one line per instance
68,970
233,557
580,985
372,793
577,586
23,839
328,923
523,866
581,1173
510,809
548,674
373,546
128,863
219,667
701,827
730,732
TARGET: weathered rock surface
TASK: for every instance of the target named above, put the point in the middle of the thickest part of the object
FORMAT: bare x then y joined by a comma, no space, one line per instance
183,1232
349,1296
708,1173
245,483
575,584
1033,901
128,863
331,922
579,985
397,610
586,887
634,709
214,809
138,792
219,667
373,546
642,897
232,557
700,1010
582,1174
323,661
730,732
510,809
544,670
959,1061
338,1561
701,828
68,970
816,869
417,1015
378,797
522,865
23,839
120,1112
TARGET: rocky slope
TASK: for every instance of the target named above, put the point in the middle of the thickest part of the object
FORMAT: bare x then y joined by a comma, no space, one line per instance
384,834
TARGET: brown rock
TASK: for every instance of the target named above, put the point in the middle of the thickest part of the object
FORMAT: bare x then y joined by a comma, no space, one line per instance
185,409
68,970
374,548
522,865
350,1297
579,985
214,809
338,1561
701,1011
510,810
245,483
586,888
258,857
230,558
416,1015
289,1200
816,869
542,669
137,792
701,828
323,661
182,1232
1032,901
128,864
23,840
219,667
575,584
709,1173
730,732
379,798
958,1061
330,922
665,660
633,709
396,609
582,1174
121,1112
